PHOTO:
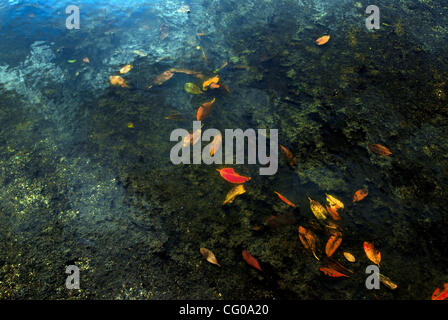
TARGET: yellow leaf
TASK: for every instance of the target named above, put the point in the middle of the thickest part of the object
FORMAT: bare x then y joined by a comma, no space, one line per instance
192,88
126,68
334,202
349,257
318,210
233,193
388,282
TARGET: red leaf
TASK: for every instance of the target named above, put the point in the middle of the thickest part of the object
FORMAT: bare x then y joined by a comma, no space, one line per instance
230,175
332,273
251,260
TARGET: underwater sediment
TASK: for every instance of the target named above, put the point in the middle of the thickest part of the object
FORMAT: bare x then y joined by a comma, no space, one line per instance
86,177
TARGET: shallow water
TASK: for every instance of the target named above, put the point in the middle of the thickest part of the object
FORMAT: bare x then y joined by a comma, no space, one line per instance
81,186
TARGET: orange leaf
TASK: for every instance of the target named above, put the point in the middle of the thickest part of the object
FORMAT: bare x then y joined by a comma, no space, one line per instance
333,213
215,144
285,199
360,194
373,254
308,240
204,110
118,81
251,260
379,149
208,82
322,40
333,243
288,156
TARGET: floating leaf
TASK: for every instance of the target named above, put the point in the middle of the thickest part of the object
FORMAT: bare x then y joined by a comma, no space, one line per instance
349,257
385,280
333,213
285,199
233,193
288,156
335,265
226,88
71,61
379,149
190,72
333,243
118,81
230,175
308,240
332,228
221,67
209,256
208,82
192,88
332,273
175,116
163,77
373,254
204,110
251,260
322,40
126,69
140,53
334,202
216,144
86,60
192,138
360,194
318,210
442,295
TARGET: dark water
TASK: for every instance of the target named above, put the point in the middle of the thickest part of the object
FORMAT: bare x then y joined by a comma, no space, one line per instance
81,186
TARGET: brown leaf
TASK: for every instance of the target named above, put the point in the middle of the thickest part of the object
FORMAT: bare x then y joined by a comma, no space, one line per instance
288,156
209,256
335,265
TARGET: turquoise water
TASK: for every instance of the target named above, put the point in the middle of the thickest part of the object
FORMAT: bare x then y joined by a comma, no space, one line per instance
86,177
